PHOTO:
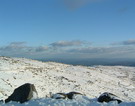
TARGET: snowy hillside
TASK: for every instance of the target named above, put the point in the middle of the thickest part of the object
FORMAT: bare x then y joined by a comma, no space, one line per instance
56,77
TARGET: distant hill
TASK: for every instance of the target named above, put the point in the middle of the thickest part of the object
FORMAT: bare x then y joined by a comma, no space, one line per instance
91,62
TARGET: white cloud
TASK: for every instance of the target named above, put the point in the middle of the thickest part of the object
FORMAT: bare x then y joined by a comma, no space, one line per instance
14,46
42,48
67,43
127,42
105,52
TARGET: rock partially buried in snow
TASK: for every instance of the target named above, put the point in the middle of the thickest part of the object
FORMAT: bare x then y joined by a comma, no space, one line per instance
59,96
70,95
23,93
107,97
1,101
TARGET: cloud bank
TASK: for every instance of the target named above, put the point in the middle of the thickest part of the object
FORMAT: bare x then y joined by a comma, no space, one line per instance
70,49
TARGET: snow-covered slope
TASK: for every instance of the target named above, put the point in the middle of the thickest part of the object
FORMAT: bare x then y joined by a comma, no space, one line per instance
56,77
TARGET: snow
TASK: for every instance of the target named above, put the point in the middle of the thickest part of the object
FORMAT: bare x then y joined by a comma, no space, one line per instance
61,102
57,77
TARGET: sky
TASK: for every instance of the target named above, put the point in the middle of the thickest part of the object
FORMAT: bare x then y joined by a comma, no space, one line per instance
67,28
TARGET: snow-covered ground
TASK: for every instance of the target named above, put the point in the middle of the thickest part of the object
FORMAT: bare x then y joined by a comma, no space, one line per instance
57,77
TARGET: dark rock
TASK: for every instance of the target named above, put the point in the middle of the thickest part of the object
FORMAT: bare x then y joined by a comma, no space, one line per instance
22,94
1,101
59,96
70,95
107,97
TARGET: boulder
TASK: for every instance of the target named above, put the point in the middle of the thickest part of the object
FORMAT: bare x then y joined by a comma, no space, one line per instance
23,93
107,97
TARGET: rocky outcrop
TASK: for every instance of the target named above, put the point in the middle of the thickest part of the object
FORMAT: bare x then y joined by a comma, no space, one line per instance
23,93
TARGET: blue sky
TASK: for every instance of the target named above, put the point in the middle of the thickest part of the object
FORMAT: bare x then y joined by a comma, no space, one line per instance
67,28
